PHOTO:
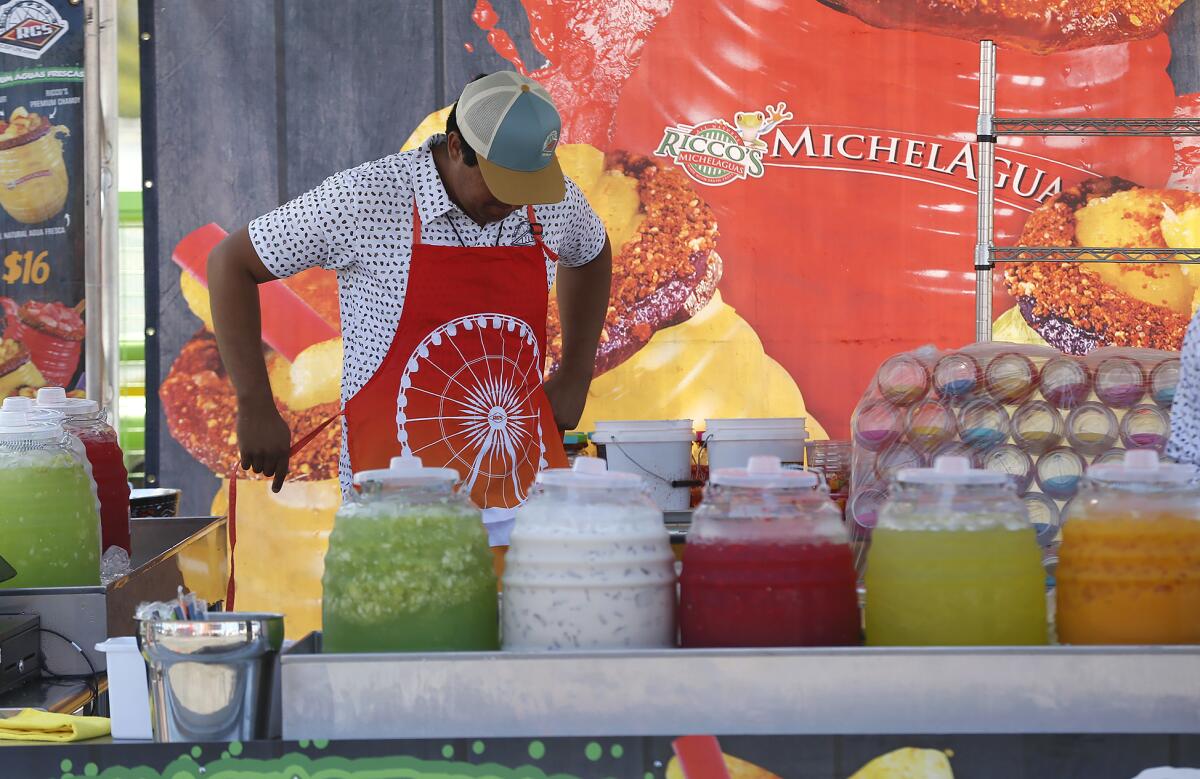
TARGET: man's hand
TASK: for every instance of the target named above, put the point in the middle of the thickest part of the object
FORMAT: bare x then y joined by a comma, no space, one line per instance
567,395
234,273
264,441
583,294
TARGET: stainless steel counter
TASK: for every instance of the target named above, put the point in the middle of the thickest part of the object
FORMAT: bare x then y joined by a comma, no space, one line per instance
797,691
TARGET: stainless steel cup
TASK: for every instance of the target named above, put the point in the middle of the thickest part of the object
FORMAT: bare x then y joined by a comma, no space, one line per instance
214,680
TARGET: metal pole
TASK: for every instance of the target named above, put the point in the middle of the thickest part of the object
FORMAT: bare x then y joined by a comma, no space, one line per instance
986,145
101,277
93,286
110,211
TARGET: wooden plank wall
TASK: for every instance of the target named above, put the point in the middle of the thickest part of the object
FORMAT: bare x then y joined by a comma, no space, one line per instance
217,143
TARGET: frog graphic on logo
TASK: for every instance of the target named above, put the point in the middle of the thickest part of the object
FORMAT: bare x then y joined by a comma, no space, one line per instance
753,125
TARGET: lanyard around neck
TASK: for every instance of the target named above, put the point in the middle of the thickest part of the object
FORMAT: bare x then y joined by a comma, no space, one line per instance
458,235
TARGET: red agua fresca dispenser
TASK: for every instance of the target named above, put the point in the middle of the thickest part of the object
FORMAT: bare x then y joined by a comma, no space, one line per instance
87,420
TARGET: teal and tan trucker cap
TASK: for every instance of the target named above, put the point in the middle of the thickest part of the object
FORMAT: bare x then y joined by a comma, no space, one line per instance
511,122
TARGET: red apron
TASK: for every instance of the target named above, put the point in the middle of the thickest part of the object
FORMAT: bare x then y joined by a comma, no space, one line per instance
461,384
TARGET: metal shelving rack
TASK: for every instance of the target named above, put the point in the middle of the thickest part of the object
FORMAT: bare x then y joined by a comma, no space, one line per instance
988,130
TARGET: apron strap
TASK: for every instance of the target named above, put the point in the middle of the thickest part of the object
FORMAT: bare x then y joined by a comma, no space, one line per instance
231,521
416,222
535,227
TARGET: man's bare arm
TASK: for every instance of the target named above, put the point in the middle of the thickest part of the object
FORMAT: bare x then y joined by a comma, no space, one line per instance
234,273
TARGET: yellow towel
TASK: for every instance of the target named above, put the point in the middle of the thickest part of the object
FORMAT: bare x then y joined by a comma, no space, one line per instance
34,725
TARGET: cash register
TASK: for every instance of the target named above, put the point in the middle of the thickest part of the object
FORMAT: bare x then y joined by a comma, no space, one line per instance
20,652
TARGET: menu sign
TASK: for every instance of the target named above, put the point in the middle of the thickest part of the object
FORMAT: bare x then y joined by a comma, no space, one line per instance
41,195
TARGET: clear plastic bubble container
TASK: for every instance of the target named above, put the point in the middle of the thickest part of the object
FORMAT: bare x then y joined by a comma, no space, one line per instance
1145,426
931,423
1065,382
956,375
877,425
903,379
983,423
1044,516
1120,382
1037,427
1012,461
1059,472
1164,379
1092,428
1010,377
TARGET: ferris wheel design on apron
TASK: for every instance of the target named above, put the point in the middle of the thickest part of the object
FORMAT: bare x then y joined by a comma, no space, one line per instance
469,390
458,387
461,384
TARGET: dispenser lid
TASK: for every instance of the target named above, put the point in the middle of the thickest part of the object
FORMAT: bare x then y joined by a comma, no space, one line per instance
1143,466
56,398
19,426
764,473
28,406
951,470
407,470
589,472
18,403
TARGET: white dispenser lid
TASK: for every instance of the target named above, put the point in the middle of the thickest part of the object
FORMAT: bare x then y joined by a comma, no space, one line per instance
1143,466
407,470
28,406
18,403
764,473
56,398
19,426
589,472
950,470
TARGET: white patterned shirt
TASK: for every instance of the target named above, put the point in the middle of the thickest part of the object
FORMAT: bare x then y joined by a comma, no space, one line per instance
360,223
1184,445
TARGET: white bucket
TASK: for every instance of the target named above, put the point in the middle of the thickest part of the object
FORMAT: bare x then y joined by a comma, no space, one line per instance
732,442
128,690
660,451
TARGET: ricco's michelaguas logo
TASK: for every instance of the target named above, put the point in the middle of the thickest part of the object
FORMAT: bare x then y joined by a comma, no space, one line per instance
715,153
29,27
